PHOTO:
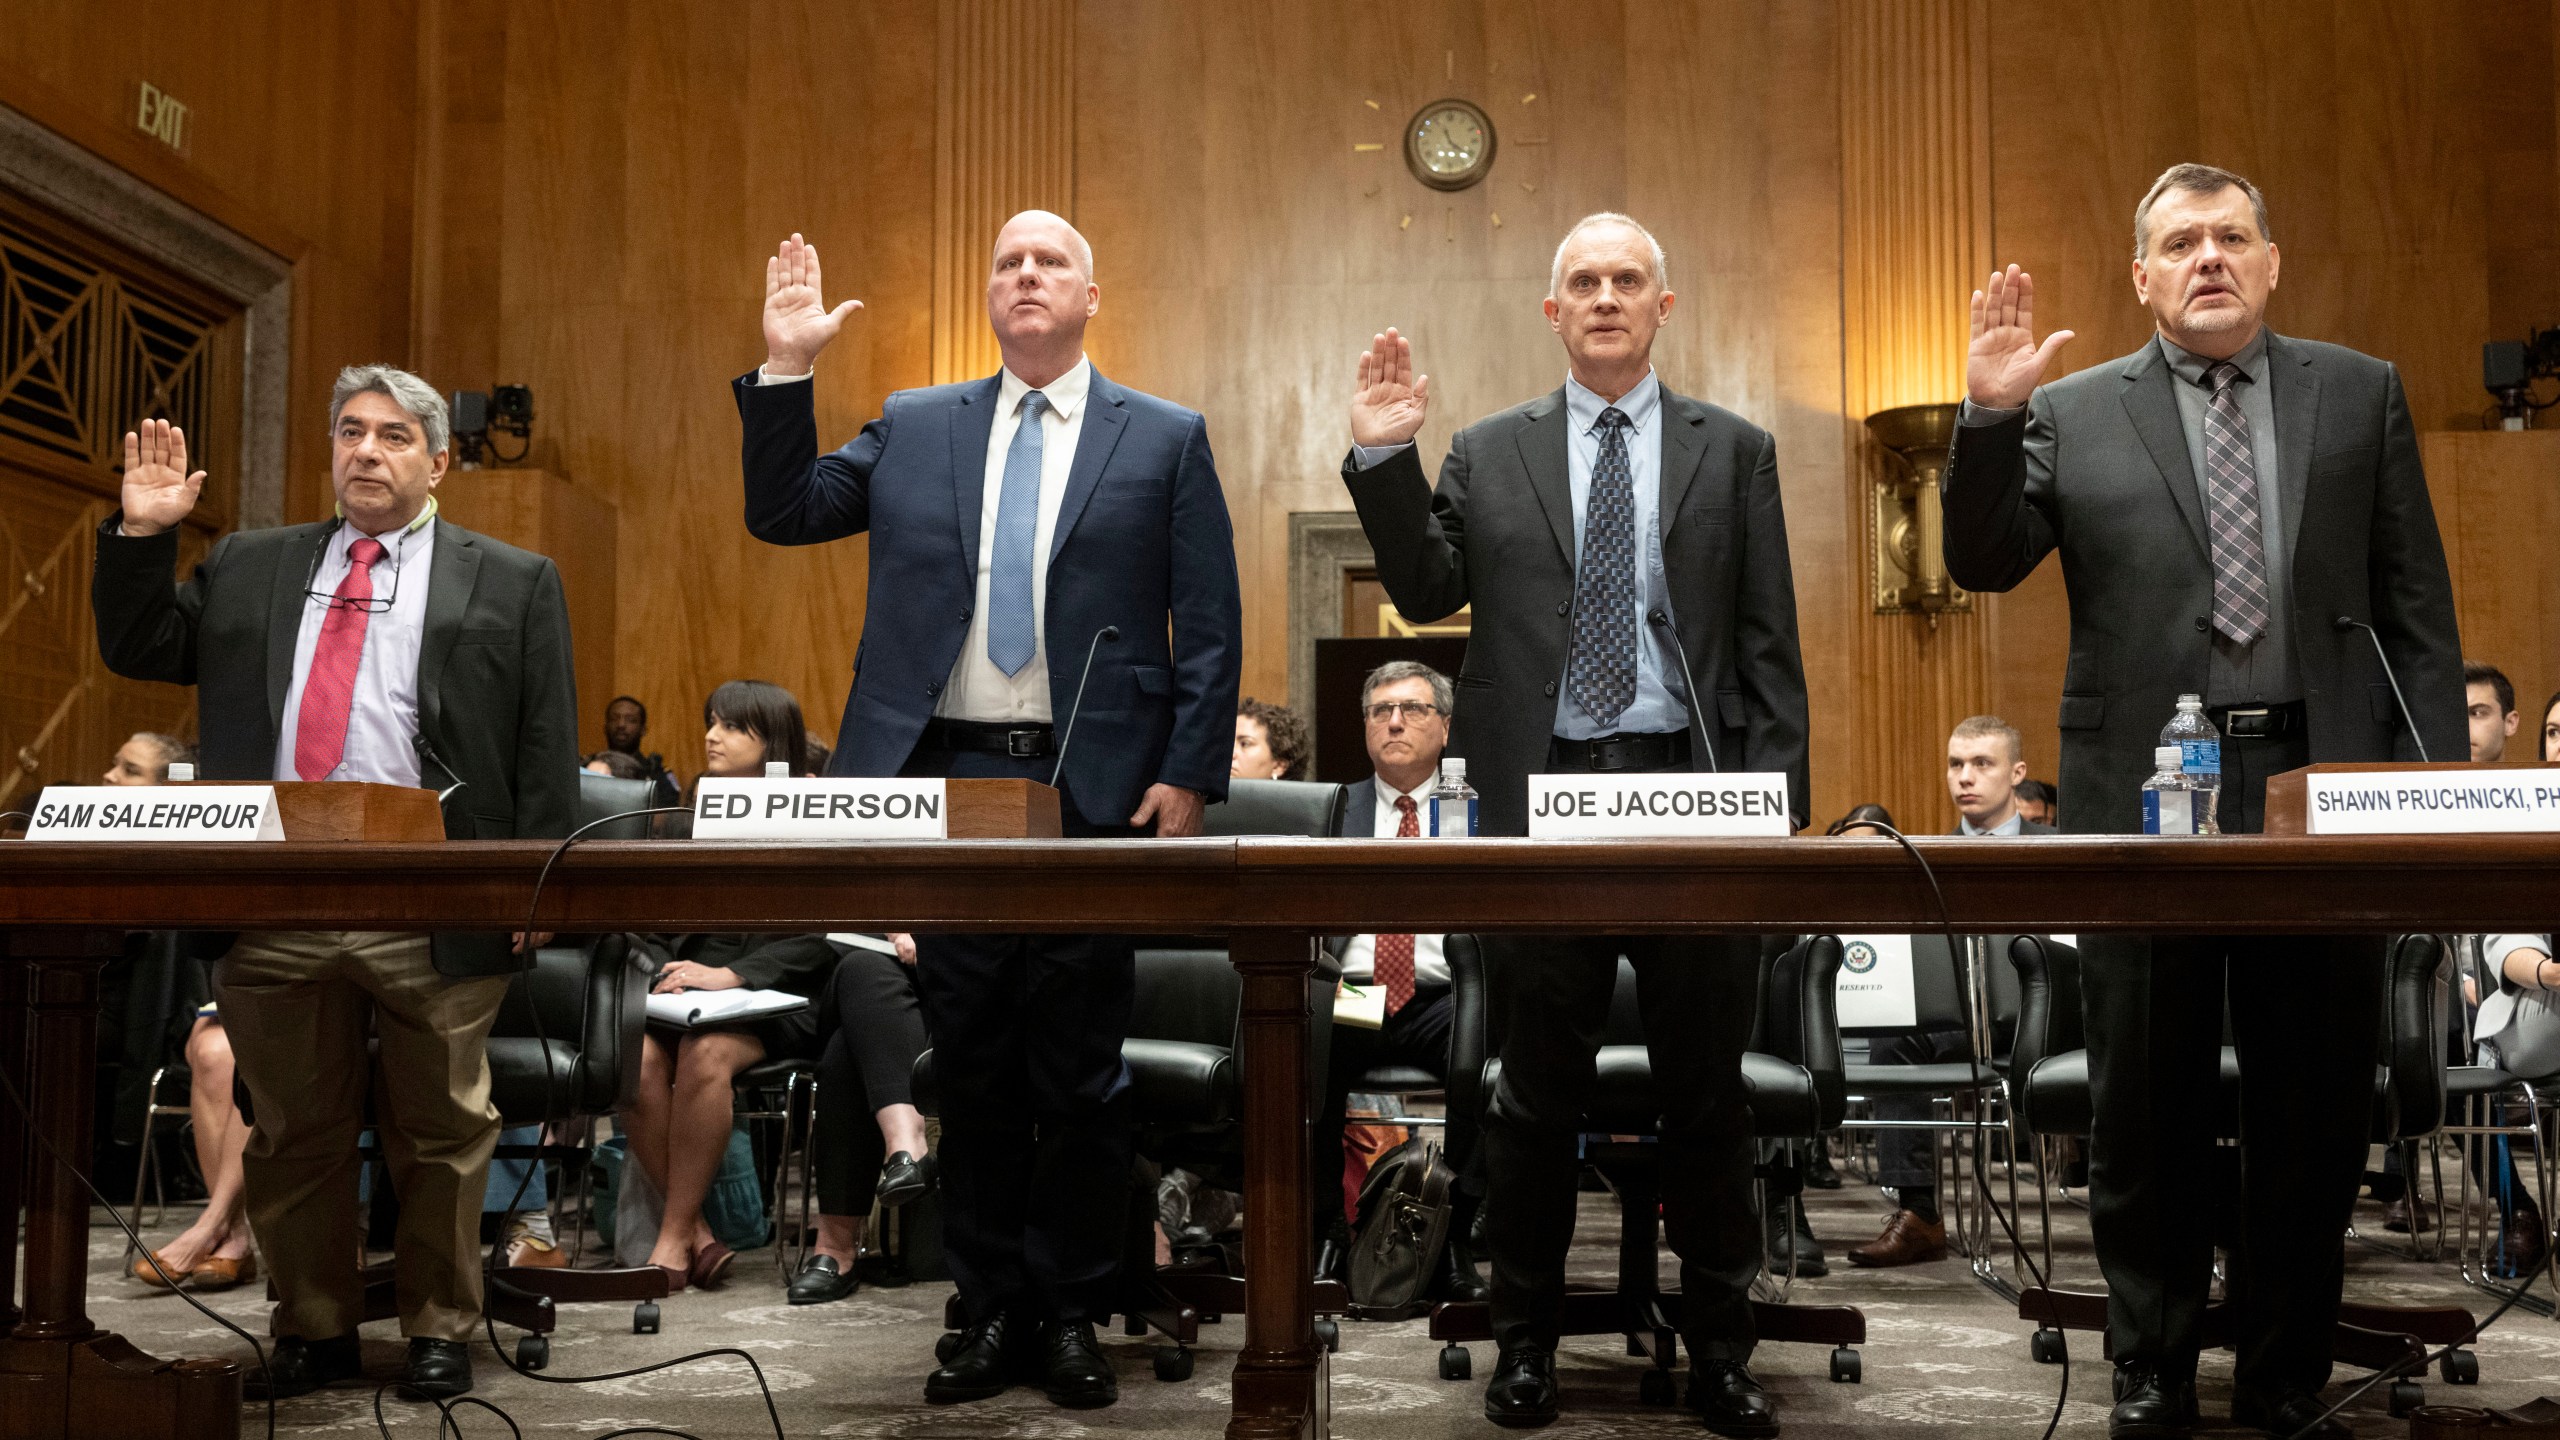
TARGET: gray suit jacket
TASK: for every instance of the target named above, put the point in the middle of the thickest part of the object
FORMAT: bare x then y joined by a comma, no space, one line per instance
497,705
2097,468
1498,533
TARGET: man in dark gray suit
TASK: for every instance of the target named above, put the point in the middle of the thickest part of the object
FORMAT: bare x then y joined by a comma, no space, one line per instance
384,646
1583,526
2231,506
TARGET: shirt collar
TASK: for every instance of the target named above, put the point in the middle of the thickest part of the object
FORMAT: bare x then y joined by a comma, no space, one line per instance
2190,367
396,544
1583,404
1066,393
2013,825
1387,793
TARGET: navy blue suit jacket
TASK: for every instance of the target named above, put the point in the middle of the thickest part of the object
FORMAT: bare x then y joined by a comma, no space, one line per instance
1142,543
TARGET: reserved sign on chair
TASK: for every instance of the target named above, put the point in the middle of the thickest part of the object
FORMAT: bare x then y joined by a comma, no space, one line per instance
158,814
821,809
1654,806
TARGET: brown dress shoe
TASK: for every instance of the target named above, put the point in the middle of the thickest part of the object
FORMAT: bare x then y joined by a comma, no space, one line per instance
1908,1239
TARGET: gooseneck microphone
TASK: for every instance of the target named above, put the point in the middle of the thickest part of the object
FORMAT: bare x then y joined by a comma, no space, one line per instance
2345,623
1107,632
428,753
1697,717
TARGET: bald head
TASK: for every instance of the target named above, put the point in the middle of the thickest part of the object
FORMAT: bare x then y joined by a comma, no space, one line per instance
1040,293
1045,227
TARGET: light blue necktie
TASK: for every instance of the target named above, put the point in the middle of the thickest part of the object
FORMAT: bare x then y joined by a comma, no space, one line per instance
1012,633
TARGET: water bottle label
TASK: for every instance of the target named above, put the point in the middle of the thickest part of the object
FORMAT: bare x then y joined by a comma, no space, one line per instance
1456,825
2200,757
2168,812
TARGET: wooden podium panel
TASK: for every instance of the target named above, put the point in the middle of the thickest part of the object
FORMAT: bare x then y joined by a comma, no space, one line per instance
1001,810
579,530
2288,797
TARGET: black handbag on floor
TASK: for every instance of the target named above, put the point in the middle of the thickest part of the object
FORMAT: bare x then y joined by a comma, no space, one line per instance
1403,1223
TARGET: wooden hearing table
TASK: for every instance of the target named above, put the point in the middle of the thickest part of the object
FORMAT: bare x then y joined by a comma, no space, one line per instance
64,908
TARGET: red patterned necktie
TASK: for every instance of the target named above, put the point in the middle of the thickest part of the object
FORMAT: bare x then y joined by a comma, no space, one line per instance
329,694
1392,963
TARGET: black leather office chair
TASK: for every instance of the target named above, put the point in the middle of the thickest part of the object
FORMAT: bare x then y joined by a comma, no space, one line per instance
600,796
2052,1099
1793,1070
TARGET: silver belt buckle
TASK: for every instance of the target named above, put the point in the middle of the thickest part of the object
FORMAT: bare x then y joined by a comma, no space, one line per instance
2250,721
1022,744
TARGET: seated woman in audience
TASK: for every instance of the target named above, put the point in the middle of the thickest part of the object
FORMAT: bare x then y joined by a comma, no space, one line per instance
870,1139
2551,730
1861,820
2519,1025
678,1125
616,763
213,1253
1271,743
145,759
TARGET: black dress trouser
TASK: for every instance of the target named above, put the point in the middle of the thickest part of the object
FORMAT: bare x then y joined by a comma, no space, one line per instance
1036,1138
873,1026
2306,1016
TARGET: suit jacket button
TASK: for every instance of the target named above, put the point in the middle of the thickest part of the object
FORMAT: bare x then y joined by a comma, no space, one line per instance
933,687
964,617
1565,609
1551,689
2203,624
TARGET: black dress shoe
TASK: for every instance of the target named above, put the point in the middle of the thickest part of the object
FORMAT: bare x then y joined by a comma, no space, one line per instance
820,1282
1809,1261
2149,1406
2285,1416
438,1369
1732,1402
980,1369
1820,1173
904,1178
1072,1370
1522,1392
296,1366
1458,1278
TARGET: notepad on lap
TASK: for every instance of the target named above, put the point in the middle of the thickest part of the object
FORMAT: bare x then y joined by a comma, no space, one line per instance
693,1009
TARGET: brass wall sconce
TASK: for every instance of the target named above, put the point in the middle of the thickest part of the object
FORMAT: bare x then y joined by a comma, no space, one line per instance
1905,553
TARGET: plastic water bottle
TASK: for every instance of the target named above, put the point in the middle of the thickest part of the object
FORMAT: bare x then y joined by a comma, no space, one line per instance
1453,802
181,772
2200,757
777,769
2169,796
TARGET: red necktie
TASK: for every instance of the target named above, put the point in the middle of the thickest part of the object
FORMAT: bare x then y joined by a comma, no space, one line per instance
329,693
1392,962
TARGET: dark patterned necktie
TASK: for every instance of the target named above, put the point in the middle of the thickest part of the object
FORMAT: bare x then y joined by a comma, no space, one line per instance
2240,606
1391,961
1600,670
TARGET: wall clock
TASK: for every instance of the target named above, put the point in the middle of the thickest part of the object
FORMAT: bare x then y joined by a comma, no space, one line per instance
1449,144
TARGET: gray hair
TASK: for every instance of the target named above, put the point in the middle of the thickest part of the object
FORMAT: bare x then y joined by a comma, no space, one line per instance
403,389
2194,179
1394,670
1555,272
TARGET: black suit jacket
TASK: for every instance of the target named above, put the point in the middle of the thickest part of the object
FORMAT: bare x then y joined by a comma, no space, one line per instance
1498,534
497,705
1360,810
2097,469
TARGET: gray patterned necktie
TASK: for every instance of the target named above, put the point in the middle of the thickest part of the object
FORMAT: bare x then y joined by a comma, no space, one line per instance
2240,605
1012,631
1600,670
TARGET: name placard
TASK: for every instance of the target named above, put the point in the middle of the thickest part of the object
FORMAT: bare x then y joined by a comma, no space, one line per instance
821,809
2423,802
156,814
1641,807
1874,989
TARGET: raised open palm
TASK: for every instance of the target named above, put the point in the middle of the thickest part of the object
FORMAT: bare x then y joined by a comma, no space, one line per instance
797,322
158,488
2004,362
1388,402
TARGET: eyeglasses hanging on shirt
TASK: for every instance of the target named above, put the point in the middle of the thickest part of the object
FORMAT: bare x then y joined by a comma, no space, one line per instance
369,604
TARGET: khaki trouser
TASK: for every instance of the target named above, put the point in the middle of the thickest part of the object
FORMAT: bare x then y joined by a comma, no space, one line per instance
297,1005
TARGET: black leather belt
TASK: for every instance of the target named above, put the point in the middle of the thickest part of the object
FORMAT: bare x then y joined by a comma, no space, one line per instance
2258,722
1018,741
1619,752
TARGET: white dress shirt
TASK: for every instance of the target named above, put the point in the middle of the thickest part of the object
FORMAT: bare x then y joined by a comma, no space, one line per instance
382,722
1430,966
2014,825
977,689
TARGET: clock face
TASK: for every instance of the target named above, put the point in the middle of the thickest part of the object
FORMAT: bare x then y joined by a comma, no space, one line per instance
1449,145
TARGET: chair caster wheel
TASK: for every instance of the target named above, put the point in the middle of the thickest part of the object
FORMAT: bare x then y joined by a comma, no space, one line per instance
1456,1362
2048,1347
1329,1334
1173,1363
533,1352
1847,1368
1656,1388
946,1347
644,1318
2406,1395
2459,1367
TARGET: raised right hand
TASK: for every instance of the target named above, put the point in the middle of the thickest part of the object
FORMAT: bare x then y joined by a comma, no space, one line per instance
797,322
1388,402
2004,362
158,489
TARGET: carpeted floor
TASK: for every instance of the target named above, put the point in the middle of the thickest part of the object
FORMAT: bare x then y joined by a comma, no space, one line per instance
1943,1356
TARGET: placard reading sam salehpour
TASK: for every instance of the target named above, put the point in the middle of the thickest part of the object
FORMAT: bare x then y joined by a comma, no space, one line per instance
821,809
156,814
1640,807
2422,802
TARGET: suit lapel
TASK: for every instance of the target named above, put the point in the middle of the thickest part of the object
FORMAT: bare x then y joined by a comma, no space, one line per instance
1542,438
2294,389
2153,406
972,422
449,581
1106,419
284,613
1682,453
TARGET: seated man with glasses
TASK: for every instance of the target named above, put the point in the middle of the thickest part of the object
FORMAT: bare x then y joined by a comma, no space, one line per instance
1405,706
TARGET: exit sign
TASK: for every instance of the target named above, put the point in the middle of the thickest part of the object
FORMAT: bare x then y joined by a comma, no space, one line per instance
163,117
